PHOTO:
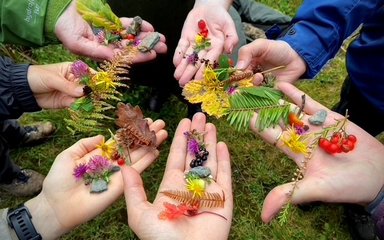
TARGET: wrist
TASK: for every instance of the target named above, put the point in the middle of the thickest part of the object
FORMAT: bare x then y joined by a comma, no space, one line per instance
224,3
55,9
44,218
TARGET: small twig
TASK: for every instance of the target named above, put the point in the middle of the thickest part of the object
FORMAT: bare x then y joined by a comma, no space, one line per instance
272,69
302,105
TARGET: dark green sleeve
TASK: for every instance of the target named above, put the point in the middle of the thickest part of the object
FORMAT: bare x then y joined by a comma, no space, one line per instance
29,22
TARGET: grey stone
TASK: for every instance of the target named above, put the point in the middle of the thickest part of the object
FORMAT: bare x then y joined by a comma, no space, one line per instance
149,42
135,26
201,171
98,186
318,118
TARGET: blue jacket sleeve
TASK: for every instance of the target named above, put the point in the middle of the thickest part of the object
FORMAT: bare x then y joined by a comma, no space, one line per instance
16,96
320,28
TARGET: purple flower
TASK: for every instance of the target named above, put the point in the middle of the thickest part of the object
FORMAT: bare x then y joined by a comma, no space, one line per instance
98,165
80,170
79,69
193,146
137,43
193,58
300,130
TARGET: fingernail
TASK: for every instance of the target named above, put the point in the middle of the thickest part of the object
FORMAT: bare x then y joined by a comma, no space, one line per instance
79,91
240,65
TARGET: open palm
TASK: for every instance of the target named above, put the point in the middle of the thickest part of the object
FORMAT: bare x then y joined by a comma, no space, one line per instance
353,177
143,216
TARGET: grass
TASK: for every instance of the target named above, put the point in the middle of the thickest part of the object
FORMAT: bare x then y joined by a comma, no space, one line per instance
256,167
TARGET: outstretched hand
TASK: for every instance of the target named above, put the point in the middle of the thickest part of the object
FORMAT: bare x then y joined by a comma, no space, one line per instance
143,217
267,54
222,35
328,178
67,202
76,35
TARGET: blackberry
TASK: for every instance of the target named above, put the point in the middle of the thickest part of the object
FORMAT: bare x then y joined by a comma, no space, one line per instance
193,163
199,162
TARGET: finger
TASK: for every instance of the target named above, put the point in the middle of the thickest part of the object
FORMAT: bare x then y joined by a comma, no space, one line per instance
141,164
183,66
92,49
178,151
180,51
134,192
231,38
210,140
198,123
83,146
223,177
191,69
145,26
275,201
211,55
250,51
310,106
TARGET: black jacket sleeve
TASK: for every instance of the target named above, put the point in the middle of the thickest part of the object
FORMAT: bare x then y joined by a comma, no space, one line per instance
16,96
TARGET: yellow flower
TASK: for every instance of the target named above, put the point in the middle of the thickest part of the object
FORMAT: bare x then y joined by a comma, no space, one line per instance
199,39
108,148
210,74
297,143
196,186
104,81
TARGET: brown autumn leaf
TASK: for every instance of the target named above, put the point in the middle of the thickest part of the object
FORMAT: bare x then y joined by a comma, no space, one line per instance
134,130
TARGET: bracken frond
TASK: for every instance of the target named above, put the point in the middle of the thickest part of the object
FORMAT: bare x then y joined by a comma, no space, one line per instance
207,199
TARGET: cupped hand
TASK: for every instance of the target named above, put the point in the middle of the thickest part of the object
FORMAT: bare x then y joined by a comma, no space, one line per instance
267,54
353,177
76,35
143,217
221,32
69,202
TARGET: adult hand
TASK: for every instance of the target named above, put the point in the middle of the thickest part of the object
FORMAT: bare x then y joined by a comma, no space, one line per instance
53,85
328,178
267,54
66,203
143,216
222,34
76,35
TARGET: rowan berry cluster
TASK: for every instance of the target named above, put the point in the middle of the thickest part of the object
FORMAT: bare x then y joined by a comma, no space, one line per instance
339,142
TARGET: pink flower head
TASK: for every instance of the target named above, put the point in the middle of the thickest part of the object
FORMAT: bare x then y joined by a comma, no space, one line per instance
79,69
80,170
193,146
232,90
98,165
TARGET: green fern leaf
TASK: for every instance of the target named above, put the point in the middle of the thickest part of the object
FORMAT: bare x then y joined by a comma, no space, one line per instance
99,14
263,100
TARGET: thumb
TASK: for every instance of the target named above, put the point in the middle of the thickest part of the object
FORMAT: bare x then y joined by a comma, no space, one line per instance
83,146
133,191
255,49
59,83
305,191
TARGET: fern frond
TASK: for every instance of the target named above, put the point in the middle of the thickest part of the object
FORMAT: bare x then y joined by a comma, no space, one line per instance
99,14
263,100
207,199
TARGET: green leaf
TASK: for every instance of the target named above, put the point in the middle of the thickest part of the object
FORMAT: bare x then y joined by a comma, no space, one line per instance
224,61
99,14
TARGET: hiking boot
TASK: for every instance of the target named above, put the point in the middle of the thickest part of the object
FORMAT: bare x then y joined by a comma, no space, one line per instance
38,133
27,183
360,223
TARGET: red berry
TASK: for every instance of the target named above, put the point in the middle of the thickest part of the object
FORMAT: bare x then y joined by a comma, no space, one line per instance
333,148
324,143
204,33
335,139
120,161
345,148
352,138
130,37
202,25
115,156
